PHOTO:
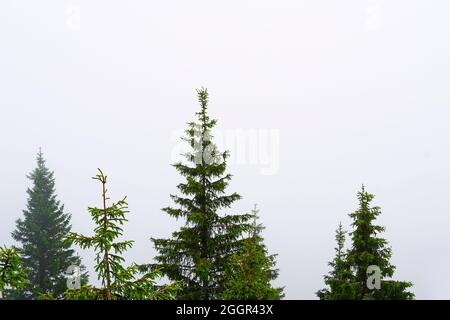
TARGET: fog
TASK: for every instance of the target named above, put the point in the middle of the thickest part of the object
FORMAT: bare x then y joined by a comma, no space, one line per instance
333,94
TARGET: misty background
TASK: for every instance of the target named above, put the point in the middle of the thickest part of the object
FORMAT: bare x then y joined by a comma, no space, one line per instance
357,90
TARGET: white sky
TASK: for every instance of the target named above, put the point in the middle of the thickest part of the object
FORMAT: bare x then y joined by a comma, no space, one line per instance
357,90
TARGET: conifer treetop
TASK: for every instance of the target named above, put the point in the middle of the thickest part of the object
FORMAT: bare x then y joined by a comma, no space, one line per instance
196,254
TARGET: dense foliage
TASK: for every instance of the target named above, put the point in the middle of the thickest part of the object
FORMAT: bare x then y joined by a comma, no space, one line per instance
12,272
251,269
198,253
46,256
215,254
350,271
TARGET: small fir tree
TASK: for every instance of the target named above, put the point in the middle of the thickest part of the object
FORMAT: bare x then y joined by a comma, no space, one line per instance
339,282
118,282
251,269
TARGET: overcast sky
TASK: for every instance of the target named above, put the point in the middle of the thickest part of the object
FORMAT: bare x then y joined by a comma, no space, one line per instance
348,92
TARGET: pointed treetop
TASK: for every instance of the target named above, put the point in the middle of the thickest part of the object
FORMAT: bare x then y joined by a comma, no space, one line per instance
257,227
340,239
203,97
255,210
365,197
40,158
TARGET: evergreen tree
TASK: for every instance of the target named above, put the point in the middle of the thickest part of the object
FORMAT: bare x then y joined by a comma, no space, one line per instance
251,269
118,282
339,282
197,254
370,250
12,273
349,278
41,233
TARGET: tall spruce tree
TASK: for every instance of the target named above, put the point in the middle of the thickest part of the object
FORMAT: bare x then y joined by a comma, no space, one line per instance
340,283
370,250
251,269
46,256
197,254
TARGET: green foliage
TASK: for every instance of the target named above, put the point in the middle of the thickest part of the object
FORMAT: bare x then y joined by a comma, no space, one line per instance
86,293
142,289
394,290
339,282
118,282
12,273
348,280
369,249
251,269
41,232
197,253
46,296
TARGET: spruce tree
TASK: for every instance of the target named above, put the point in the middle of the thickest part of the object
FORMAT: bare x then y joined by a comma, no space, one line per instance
118,282
349,276
368,249
251,269
339,282
46,256
197,253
